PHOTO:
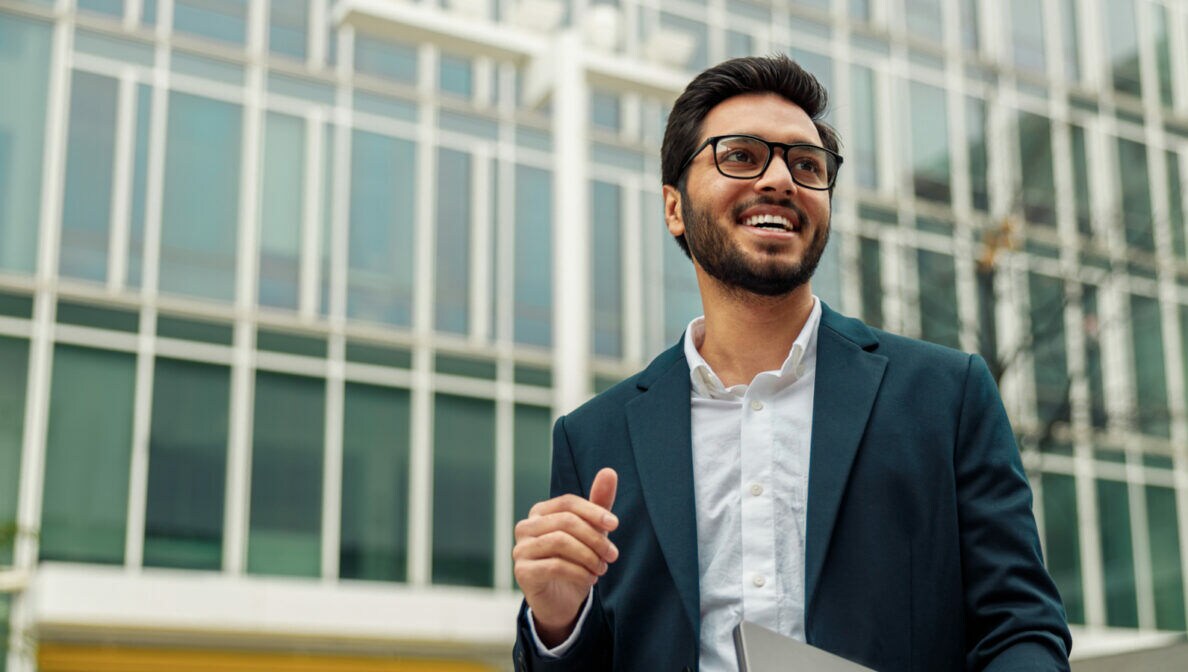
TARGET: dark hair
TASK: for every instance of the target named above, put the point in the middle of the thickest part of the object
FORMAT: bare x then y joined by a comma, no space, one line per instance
776,74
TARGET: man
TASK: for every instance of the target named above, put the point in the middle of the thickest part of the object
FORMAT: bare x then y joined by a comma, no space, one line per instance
784,464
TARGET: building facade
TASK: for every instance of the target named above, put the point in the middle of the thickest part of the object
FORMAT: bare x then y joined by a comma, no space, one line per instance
291,291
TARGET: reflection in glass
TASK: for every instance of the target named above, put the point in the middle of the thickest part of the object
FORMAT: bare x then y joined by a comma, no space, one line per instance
281,210
1117,555
864,145
1027,34
288,26
14,361
1062,542
454,200
1150,375
187,465
979,162
216,20
1048,350
1137,216
383,185
90,158
1122,37
24,67
286,489
1163,53
1080,167
375,449
606,203
463,491
1093,357
1176,204
930,142
870,263
939,321
201,203
1035,158
1167,577
84,505
534,257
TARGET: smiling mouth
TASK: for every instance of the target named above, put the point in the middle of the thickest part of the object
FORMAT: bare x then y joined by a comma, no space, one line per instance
771,223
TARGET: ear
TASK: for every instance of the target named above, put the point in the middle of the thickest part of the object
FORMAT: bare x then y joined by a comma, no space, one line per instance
672,210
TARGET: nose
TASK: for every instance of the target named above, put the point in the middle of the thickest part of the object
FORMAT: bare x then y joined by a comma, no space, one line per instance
777,177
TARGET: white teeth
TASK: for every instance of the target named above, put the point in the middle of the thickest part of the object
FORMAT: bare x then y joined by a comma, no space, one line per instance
764,220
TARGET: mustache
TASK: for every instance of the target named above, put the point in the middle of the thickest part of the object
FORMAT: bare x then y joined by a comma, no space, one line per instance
787,203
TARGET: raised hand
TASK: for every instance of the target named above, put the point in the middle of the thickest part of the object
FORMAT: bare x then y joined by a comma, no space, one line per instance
562,547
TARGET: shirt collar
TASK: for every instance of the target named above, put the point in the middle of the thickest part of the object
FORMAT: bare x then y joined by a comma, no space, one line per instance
801,359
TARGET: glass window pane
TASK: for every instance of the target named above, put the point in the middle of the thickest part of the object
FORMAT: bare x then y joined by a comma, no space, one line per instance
109,7
1035,156
397,62
1167,577
1093,357
1176,204
454,199
1070,39
533,458
85,501
463,491
938,299
1117,555
456,75
24,67
375,449
864,148
144,101
1163,53
187,465
930,142
288,27
1080,166
224,20
383,188
201,204
286,500
1136,195
281,212
682,299
979,162
821,67
14,361
924,19
1027,32
1150,377
699,60
1062,542
534,256
969,24
870,262
1122,37
1049,351
90,155
607,282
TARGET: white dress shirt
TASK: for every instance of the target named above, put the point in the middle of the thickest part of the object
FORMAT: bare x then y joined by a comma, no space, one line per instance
750,477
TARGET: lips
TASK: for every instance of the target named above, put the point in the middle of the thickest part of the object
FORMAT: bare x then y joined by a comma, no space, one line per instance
772,219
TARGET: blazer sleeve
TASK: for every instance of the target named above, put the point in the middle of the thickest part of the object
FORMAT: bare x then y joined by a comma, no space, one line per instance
592,649
1014,616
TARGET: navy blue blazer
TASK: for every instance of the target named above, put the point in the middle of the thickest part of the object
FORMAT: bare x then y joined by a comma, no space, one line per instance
921,549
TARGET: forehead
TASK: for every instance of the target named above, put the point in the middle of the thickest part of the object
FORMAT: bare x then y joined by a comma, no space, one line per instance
767,115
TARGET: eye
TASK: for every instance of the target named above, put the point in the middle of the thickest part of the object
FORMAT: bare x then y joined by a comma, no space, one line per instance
737,155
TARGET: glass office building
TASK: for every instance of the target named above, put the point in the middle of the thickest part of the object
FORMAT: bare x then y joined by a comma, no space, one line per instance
291,290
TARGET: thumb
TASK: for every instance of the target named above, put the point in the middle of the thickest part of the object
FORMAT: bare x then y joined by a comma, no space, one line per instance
602,492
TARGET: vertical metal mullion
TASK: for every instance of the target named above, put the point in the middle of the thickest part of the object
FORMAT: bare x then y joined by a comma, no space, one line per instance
310,264
1140,539
505,240
480,245
125,139
333,456
316,36
633,286
504,476
141,433
420,542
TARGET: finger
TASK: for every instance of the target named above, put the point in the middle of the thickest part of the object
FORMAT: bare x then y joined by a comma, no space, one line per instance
531,573
562,546
596,515
593,537
602,491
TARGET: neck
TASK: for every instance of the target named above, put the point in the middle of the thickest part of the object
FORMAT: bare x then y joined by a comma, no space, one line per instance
746,334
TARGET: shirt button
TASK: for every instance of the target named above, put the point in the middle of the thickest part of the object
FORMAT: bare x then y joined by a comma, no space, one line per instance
756,489
759,580
756,405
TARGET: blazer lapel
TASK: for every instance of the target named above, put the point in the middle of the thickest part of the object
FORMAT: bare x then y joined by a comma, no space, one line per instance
847,380
661,439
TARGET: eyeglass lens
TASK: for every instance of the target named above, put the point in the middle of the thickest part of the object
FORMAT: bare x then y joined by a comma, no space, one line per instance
746,157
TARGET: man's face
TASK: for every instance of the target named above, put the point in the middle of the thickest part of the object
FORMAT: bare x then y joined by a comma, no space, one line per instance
728,223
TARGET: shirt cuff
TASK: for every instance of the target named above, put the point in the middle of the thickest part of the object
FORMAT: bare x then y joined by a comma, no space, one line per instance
562,648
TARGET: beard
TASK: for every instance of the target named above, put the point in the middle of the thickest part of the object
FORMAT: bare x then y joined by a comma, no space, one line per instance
710,246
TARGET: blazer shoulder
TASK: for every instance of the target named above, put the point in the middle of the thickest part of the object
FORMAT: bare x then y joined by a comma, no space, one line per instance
616,397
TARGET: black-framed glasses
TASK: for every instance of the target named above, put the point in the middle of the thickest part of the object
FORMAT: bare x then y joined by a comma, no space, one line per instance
745,157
